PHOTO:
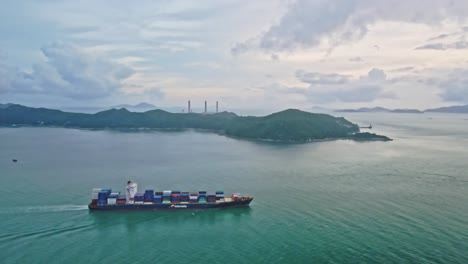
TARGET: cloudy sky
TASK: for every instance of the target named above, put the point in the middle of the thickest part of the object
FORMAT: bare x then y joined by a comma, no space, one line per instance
271,54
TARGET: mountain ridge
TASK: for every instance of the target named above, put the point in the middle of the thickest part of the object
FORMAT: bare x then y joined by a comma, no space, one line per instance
290,125
446,109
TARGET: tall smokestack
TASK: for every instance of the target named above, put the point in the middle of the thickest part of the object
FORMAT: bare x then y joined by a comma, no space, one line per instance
216,106
205,107
189,107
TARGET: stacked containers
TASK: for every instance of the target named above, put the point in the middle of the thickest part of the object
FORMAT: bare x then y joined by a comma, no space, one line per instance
185,197
149,196
122,199
166,197
175,197
220,195
139,198
102,197
158,196
211,198
202,197
193,198
112,198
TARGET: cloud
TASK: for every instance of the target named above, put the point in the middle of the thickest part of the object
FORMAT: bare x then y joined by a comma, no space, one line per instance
308,22
274,57
330,88
376,75
441,46
439,37
455,91
155,93
356,59
452,84
455,87
69,72
320,78
4,78
364,93
403,69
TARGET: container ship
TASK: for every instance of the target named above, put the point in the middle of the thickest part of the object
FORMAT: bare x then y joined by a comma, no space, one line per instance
105,199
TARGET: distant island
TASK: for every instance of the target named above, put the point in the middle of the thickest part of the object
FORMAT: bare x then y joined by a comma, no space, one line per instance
379,109
450,109
141,107
286,126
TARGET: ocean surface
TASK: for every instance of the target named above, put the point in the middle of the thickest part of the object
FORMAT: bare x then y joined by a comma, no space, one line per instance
404,201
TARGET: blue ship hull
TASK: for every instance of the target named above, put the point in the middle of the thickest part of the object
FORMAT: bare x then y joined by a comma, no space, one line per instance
245,201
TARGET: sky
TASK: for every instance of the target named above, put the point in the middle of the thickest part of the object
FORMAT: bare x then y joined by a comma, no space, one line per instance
271,55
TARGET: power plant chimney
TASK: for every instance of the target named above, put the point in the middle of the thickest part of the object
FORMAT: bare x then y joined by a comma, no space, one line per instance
216,106
205,107
189,107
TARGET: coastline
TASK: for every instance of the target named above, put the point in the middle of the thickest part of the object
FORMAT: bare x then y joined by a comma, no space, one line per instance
218,132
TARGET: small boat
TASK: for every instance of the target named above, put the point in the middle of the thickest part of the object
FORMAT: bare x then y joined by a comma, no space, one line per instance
14,160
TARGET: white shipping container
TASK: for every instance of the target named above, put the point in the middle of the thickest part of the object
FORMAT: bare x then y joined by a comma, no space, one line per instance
94,194
111,201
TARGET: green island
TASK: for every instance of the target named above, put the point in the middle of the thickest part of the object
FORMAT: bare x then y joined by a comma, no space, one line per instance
286,126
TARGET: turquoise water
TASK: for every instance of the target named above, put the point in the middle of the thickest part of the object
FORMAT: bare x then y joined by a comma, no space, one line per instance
337,202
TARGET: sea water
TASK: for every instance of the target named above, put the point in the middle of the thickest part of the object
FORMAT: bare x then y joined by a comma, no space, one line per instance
336,201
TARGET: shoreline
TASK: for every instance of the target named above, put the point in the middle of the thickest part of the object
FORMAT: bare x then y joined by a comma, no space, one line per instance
218,132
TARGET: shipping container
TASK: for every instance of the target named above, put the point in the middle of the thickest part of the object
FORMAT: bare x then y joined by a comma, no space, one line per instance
139,197
111,200
108,190
94,194
220,195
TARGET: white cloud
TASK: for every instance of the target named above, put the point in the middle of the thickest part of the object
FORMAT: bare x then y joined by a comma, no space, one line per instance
69,72
325,88
308,22
356,59
376,75
364,93
454,88
321,78
181,50
445,46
